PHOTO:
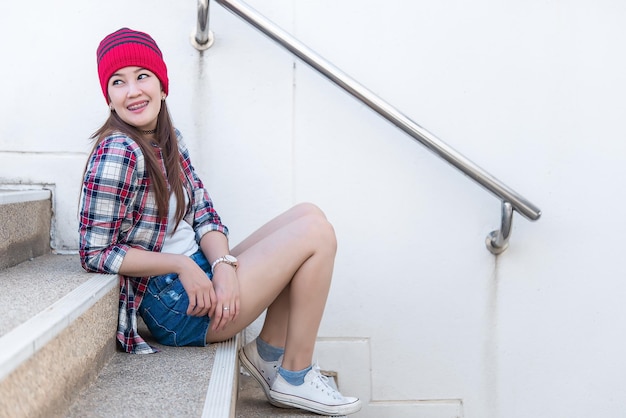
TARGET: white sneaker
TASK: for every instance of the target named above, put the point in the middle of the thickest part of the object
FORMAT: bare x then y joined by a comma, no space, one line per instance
264,372
315,395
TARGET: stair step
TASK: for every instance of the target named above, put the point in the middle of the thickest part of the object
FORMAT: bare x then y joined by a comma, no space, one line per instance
59,333
35,284
25,228
171,383
253,403
176,382
62,360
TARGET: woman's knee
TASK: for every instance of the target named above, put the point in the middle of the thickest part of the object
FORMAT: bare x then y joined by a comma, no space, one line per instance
320,230
309,209
313,227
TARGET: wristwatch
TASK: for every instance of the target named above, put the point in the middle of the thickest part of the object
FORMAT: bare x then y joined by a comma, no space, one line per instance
228,259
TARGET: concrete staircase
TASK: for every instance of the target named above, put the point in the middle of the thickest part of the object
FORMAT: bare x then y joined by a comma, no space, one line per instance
58,354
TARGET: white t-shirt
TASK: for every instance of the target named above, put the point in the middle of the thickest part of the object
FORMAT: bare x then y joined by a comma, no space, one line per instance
183,240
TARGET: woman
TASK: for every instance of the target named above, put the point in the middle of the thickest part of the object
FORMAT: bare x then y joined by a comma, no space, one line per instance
146,216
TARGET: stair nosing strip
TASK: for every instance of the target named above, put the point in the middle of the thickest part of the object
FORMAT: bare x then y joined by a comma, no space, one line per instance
23,341
21,196
222,388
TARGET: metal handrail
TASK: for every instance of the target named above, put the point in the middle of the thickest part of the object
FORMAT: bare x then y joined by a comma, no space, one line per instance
202,38
497,240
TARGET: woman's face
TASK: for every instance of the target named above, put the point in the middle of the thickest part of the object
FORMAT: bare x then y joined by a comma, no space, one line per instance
136,96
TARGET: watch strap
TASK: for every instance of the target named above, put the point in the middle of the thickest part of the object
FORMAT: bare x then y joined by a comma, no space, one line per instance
223,260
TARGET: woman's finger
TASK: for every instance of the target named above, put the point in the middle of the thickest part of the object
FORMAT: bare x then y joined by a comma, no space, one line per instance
236,312
203,307
192,304
217,318
213,301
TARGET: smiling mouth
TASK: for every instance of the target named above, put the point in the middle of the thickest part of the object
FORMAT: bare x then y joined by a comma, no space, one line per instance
137,106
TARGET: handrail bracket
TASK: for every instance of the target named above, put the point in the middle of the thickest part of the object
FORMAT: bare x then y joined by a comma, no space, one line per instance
202,38
498,241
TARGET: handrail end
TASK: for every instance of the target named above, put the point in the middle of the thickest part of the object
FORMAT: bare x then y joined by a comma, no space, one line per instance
531,214
198,44
491,243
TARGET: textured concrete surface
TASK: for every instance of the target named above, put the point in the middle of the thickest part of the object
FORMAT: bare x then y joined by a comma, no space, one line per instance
252,402
46,384
34,285
24,231
171,383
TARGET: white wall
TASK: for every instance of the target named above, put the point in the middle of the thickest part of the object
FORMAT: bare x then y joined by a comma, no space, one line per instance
422,320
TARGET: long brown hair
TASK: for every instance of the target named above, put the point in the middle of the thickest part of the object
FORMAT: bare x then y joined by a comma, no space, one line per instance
167,141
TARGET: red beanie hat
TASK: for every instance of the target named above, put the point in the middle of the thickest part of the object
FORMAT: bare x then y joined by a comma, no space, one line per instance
125,48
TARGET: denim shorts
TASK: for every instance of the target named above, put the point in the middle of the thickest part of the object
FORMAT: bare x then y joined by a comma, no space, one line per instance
164,310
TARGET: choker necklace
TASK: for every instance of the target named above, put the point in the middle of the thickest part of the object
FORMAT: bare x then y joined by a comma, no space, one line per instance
149,132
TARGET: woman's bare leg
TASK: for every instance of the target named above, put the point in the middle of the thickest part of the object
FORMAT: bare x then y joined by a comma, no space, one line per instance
297,211
286,266
274,331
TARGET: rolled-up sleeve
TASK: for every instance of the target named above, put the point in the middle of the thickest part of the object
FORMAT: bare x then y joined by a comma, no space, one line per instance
206,218
109,185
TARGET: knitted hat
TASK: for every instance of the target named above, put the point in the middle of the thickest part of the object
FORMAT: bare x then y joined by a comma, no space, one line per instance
125,48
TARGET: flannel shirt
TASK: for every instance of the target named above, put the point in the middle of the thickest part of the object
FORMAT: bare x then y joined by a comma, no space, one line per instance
118,211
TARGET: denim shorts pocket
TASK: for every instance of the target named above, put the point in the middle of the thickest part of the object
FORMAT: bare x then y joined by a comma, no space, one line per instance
160,330
164,310
165,314
174,298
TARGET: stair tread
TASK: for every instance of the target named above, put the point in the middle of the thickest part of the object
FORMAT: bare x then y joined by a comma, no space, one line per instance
173,382
33,285
170,383
252,402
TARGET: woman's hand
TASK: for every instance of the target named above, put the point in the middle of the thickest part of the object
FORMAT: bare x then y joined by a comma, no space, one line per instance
214,245
140,263
227,292
202,297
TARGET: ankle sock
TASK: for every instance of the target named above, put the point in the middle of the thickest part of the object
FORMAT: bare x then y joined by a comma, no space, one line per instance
294,378
268,352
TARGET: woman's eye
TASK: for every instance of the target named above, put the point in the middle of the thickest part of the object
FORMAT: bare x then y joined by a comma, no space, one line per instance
142,76
116,82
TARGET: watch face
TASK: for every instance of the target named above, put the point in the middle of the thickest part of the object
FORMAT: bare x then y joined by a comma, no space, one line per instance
230,258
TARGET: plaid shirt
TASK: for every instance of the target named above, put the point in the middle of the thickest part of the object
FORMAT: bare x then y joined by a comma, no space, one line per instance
118,211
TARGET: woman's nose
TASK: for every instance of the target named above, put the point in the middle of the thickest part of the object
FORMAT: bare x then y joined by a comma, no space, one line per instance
133,90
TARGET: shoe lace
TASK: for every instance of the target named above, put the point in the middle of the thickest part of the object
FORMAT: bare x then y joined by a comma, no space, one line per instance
322,382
